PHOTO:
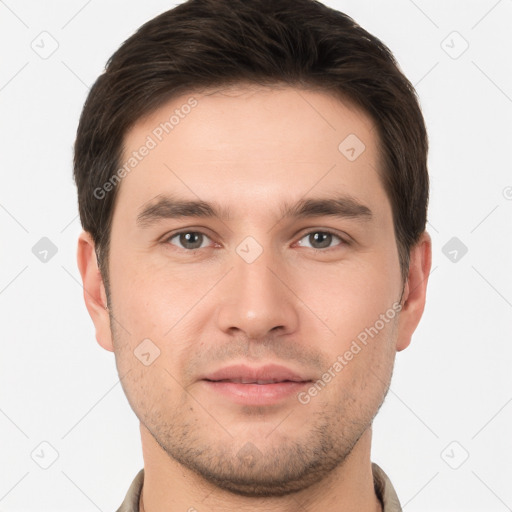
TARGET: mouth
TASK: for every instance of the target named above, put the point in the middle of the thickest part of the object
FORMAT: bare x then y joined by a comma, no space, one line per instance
267,374
264,385
242,380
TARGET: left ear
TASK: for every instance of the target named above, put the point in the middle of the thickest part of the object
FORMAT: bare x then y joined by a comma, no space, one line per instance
413,301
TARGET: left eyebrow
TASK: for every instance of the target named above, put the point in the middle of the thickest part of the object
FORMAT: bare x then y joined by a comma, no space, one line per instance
341,207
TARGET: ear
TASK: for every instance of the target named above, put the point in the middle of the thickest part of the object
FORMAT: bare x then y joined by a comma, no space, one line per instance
413,301
94,290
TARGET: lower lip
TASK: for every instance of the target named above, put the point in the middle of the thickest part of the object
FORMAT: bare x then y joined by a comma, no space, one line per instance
256,394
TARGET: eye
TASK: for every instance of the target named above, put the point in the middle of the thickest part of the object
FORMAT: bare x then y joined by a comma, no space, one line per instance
189,240
319,240
316,240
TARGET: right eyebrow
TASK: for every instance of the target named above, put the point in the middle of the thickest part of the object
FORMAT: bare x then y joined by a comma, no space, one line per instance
167,207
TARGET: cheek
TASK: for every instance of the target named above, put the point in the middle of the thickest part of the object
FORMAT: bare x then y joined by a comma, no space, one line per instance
168,306
145,299
358,304
350,299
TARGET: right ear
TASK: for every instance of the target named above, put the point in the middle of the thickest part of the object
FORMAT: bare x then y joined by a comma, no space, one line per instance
94,290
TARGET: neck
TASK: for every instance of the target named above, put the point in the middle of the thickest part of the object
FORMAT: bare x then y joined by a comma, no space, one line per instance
172,487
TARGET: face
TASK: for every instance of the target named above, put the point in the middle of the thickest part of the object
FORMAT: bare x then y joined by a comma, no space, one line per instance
287,257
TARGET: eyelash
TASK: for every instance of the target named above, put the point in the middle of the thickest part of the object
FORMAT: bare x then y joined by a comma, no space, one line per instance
324,231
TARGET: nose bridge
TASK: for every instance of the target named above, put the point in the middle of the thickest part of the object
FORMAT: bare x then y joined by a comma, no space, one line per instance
256,300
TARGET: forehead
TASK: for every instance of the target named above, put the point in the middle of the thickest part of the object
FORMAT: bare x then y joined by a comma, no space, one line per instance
252,145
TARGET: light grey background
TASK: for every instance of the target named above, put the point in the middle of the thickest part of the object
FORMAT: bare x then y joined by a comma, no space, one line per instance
451,394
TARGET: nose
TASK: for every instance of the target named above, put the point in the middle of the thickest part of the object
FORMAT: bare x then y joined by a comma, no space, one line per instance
257,298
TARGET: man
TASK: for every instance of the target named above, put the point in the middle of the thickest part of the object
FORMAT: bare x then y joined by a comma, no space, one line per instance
253,188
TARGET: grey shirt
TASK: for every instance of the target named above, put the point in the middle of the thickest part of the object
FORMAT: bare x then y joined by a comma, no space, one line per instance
383,488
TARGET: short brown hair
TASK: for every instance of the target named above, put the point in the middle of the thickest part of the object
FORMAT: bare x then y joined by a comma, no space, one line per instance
202,44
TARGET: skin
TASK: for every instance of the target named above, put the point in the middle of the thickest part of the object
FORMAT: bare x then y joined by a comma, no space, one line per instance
251,149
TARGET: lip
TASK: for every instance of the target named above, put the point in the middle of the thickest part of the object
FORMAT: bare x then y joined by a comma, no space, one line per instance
247,374
255,394
264,385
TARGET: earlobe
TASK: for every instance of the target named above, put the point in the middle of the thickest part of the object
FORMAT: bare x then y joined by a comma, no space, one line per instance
94,290
414,295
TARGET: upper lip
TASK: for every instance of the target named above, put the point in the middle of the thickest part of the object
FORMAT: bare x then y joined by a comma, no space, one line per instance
269,373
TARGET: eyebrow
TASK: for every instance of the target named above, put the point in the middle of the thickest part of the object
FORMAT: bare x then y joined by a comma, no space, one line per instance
169,207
